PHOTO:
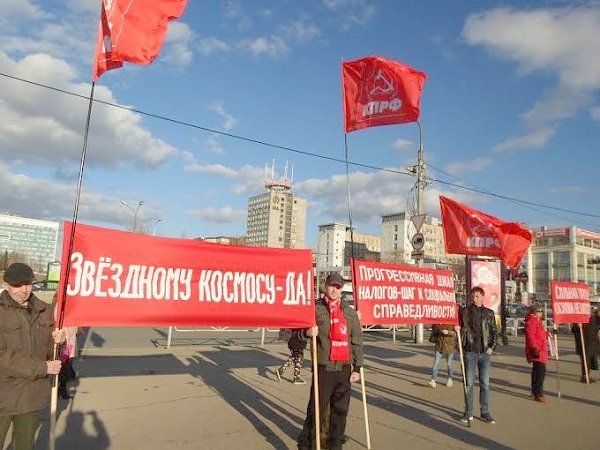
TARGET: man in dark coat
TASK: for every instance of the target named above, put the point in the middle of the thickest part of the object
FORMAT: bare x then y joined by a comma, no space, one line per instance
26,341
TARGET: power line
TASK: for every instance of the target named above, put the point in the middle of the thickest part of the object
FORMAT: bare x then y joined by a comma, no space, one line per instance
301,152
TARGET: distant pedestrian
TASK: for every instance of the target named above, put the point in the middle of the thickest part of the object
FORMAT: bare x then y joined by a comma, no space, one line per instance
478,334
592,345
297,344
444,337
26,345
536,350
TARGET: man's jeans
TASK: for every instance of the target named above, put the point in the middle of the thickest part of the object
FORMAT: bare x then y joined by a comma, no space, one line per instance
436,364
481,361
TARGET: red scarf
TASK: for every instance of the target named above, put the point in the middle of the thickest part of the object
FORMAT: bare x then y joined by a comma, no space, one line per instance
338,332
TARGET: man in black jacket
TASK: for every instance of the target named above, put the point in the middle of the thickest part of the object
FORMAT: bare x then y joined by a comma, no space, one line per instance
478,333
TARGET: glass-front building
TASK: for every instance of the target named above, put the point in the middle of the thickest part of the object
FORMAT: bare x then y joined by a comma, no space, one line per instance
564,254
32,241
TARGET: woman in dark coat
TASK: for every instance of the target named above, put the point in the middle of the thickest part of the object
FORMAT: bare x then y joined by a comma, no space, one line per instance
536,351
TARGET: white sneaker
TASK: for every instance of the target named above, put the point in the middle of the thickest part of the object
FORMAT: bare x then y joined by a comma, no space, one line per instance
449,382
431,383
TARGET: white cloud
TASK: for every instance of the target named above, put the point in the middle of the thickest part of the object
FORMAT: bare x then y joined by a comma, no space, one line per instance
15,10
221,215
474,165
372,194
210,45
351,12
567,190
177,50
213,142
595,113
229,121
42,199
41,126
271,46
302,30
404,145
248,179
562,41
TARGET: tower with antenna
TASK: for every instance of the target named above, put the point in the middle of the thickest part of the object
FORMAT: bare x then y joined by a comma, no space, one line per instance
277,218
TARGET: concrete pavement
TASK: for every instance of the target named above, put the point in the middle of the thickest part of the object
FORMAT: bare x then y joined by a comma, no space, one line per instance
217,390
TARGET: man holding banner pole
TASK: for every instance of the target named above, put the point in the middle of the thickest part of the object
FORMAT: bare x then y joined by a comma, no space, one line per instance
26,362
339,354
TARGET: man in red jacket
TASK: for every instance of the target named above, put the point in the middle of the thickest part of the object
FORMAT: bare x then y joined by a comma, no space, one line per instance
536,351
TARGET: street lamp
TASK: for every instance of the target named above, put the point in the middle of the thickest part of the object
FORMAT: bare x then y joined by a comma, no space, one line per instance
134,211
154,226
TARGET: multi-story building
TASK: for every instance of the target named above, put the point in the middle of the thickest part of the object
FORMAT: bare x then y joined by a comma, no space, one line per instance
32,241
563,254
225,240
276,218
334,249
397,231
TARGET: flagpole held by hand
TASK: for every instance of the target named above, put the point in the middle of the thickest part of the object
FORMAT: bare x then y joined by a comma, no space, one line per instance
317,418
364,400
583,355
462,366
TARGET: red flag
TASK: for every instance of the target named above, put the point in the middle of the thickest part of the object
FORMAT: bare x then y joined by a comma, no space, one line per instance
132,31
471,232
379,91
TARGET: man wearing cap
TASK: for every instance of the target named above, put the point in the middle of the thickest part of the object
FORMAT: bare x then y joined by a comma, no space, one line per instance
339,359
27,336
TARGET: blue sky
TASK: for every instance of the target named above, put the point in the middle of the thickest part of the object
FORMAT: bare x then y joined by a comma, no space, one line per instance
511,106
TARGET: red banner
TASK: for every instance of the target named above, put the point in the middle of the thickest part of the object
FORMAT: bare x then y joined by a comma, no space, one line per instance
570,302
379,91
388,294
468,231
126,279
132,31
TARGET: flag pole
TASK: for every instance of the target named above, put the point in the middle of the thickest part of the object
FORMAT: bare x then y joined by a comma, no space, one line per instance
365,412
462,366
583,355
316,406
67,269
555,338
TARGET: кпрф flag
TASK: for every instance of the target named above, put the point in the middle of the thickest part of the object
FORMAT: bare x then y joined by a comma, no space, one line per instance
379,91
471,232
132,31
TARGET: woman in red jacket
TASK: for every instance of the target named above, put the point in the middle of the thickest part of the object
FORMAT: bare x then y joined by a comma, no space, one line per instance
536,351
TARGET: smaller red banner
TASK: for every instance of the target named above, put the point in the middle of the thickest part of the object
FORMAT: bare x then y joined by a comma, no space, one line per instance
468,231
389,294
570,302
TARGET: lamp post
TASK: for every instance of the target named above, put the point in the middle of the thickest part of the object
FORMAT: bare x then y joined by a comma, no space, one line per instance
134,211
154,226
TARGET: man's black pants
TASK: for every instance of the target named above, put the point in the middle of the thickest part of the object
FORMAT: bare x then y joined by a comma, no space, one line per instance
334,390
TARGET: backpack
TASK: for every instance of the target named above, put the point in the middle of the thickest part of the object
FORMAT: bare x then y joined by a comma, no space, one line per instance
285,334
